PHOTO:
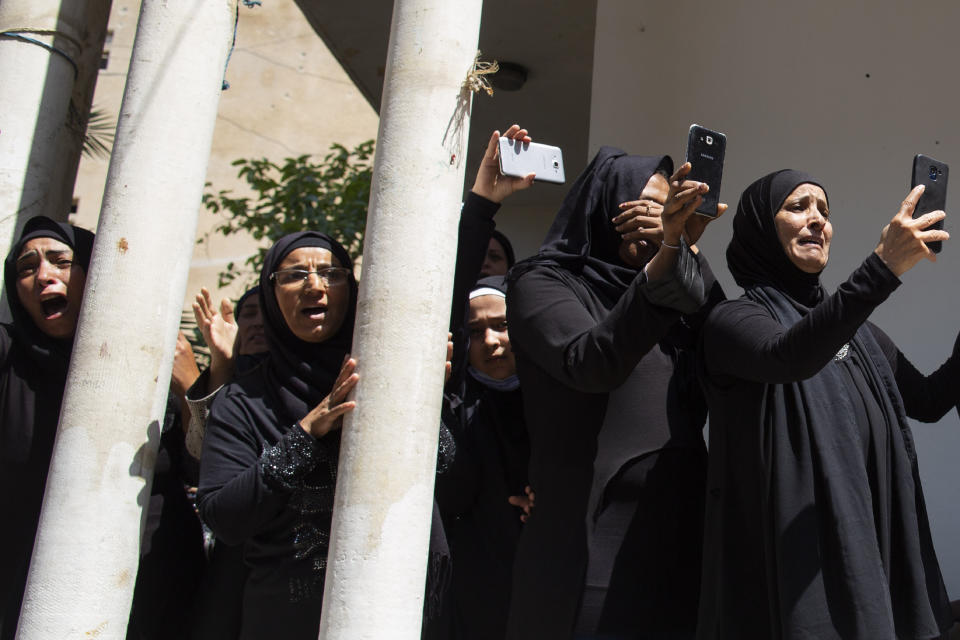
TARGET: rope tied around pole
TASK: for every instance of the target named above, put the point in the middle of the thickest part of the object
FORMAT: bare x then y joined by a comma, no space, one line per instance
455,137
233,43
476,80
19,34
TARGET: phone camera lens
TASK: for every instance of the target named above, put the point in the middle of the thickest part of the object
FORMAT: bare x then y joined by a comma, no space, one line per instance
933,173
709,139
556,164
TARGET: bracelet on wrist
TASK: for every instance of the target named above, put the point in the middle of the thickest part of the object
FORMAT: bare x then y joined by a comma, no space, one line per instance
664,243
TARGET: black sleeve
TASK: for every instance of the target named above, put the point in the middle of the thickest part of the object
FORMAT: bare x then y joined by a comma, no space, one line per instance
925,398
241,487
552,327
476,227
742,340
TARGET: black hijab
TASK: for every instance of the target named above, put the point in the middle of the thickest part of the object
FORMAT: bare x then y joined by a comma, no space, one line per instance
755,255
301,374
246,362
582,238
507,247
49,353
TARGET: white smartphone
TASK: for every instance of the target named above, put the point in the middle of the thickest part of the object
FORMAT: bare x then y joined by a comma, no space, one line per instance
518,159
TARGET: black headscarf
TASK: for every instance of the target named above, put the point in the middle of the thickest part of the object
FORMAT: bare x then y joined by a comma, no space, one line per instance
302,373
246,362
755,255
507,247
582,238
49,353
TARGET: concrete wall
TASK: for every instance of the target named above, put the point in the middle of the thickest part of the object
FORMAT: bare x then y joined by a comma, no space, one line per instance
288,96
846,91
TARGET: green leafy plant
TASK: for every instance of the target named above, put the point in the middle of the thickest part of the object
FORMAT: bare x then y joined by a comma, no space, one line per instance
329,196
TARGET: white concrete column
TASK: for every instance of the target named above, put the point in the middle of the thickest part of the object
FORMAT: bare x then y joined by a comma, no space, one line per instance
87,550
35,88
381,518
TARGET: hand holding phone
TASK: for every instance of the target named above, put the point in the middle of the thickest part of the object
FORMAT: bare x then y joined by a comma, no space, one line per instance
705,153
519,159
932,174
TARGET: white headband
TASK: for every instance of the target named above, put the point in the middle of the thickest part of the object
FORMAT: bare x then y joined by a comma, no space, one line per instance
486,291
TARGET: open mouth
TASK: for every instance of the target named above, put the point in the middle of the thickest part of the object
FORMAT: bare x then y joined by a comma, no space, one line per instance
315,313
53,307
811,241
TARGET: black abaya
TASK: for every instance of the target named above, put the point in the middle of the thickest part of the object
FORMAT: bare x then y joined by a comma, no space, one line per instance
816,525
264,482
609,386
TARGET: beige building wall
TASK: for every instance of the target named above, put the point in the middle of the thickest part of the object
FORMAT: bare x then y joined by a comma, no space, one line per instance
288,96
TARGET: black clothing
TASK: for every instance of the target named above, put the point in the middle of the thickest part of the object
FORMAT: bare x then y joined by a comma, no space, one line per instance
816,524
505,243
33,373
492,452
607,378
264,482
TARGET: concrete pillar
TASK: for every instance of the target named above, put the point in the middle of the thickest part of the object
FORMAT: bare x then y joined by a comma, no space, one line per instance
87,550
40,50
381,518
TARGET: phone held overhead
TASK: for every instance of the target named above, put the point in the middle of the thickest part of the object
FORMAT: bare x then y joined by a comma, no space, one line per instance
705,151
932,174
520,159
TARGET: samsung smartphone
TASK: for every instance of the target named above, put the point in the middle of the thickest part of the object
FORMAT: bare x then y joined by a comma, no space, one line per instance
932,174
705,150
518,159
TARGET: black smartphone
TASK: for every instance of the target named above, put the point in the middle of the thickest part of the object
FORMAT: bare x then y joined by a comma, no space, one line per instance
705,151
932,174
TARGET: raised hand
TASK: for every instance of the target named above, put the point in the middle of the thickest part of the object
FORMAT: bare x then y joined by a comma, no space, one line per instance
682,200
903,241
219,330
328,415
490,183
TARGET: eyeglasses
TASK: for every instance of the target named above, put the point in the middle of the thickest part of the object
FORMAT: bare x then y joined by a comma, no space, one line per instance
329,277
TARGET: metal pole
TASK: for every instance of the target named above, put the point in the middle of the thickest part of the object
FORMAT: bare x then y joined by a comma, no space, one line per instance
382,511
86,554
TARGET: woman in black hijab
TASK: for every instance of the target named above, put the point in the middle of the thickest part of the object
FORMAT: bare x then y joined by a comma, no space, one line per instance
816,524
269,462
612,406
484,413
44,276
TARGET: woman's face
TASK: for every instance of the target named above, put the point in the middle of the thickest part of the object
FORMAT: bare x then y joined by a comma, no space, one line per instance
495,262
639,252
804,229
313,312
50,286
490,351
251,339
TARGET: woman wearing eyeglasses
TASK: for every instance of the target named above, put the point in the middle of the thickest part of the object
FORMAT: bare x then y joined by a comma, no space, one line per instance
269,462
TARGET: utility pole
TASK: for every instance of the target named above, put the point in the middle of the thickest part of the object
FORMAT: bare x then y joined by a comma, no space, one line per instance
382,511
87,549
